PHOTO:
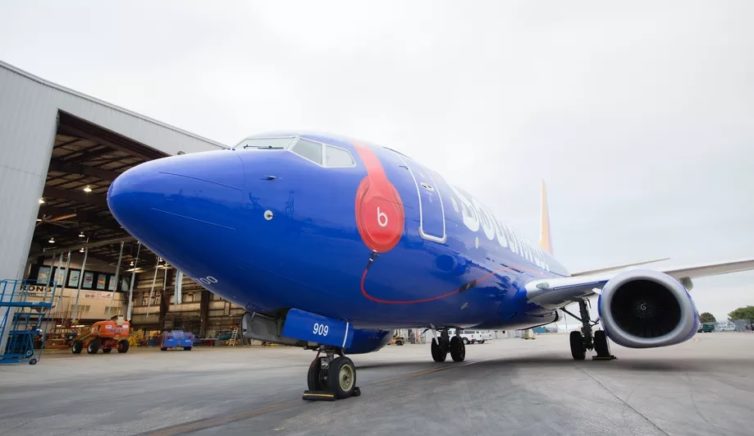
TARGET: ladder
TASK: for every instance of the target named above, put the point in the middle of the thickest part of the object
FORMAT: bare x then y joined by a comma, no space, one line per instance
22,313
233,341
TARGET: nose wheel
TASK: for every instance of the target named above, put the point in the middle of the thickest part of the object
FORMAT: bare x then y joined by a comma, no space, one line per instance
330,378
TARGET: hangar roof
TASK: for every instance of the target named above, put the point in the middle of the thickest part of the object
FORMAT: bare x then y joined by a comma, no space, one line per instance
96,101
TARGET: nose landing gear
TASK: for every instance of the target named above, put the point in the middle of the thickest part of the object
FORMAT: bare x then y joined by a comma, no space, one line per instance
586,339
331,378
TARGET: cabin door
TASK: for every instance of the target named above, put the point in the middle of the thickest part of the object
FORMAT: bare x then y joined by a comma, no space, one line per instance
431,208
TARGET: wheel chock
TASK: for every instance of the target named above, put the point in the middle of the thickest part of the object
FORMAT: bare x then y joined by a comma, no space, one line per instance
327,395
319,396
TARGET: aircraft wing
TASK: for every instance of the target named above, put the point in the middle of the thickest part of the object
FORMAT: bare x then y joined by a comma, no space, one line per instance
711,270
557,292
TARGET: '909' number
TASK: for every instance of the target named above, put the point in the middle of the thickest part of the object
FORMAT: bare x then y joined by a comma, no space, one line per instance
320,329
206,281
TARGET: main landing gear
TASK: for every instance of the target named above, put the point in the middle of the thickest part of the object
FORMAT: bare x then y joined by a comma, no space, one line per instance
586,339
330,377
444,344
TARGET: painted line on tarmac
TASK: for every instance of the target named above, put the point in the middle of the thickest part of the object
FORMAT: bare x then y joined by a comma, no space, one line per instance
219,420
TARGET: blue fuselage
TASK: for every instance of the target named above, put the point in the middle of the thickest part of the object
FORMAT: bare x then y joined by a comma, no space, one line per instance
272,230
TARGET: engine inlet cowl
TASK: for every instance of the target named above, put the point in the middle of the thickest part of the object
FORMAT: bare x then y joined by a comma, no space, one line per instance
645,308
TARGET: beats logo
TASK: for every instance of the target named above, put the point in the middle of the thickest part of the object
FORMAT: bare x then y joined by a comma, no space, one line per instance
379,210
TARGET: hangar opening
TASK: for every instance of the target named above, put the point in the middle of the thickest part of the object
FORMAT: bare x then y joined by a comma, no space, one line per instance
61,151
100,271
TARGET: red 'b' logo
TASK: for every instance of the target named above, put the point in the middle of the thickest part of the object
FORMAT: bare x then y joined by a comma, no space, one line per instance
379,209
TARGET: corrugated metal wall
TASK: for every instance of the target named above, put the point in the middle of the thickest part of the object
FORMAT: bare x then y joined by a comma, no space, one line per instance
28,114
27,131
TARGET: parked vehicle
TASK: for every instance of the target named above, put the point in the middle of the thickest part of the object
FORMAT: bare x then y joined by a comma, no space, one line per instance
106,335
474,336
175,339
706,327
725,326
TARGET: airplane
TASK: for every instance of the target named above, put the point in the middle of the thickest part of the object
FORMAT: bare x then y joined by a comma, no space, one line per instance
332,243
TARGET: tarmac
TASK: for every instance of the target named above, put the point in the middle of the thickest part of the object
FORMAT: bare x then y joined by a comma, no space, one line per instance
507,386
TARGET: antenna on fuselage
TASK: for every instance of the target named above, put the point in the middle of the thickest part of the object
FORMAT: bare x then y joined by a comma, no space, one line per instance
545,241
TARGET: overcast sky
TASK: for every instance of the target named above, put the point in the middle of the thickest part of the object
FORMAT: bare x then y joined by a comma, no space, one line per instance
639,116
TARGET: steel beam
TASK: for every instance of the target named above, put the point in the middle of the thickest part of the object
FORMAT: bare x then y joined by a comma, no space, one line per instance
75,126
79,168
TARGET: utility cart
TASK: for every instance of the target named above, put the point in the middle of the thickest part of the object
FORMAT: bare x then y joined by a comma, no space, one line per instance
105,335
175,339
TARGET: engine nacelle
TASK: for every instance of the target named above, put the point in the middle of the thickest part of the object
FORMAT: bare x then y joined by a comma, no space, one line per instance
645,308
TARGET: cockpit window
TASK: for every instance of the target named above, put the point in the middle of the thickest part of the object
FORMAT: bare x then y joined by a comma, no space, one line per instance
321,154
337,157
267,143
308,150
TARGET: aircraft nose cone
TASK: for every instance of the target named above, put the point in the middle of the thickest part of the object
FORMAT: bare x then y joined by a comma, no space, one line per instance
165,201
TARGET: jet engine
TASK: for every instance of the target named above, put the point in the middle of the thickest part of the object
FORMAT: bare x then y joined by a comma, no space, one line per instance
644,308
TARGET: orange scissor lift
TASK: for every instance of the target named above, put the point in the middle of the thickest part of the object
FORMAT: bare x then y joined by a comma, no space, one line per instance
107,335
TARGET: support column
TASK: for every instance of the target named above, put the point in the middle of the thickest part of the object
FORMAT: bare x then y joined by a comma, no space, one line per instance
204,313
165,302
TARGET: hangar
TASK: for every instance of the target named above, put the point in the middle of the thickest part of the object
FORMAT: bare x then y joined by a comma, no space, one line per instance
59,152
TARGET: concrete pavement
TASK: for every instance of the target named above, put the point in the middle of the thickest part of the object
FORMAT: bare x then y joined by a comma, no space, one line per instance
507,386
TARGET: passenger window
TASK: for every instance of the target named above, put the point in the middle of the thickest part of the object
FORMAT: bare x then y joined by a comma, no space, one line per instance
337,157
308,150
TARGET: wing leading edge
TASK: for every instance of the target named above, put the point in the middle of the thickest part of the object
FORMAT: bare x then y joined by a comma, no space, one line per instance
558,292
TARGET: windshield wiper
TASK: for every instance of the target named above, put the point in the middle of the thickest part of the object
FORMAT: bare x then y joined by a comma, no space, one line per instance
263,147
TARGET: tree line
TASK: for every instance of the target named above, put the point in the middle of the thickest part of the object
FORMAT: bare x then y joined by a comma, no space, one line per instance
745,313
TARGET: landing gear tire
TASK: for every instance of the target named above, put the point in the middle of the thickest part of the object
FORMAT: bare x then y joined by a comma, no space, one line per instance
601,345
457,349
578,350
439,352
314,378
341,377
